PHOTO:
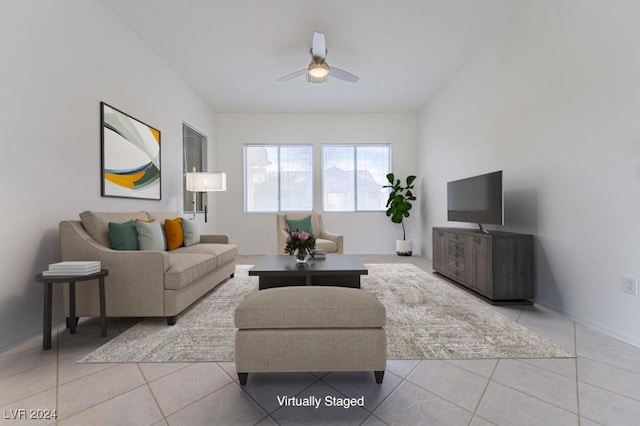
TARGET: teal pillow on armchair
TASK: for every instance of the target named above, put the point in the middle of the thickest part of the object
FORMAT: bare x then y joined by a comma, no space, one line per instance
303,224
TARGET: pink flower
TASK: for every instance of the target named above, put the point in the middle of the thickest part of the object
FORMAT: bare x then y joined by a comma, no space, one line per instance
299,240
303,235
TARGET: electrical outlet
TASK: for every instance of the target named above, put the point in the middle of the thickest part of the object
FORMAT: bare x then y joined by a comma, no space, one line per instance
630,285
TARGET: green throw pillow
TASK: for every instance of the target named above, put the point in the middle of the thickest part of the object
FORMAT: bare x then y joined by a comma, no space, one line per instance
190,231
123,236
150,235
303,224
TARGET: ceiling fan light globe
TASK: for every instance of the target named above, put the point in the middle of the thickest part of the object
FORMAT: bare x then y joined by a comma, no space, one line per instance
318,70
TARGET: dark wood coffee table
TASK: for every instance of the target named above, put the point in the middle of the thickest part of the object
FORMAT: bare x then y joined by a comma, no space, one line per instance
342,270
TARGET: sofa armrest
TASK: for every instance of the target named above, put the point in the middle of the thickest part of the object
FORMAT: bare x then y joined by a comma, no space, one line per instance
337,238
214,239
135,286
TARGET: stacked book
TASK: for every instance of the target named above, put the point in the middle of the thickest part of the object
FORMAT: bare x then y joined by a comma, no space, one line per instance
319,254
73,268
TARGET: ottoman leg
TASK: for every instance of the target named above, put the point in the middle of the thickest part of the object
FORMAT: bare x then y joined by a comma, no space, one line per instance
379,376
242,378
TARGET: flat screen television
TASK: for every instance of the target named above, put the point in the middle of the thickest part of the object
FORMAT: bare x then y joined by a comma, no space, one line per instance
477,199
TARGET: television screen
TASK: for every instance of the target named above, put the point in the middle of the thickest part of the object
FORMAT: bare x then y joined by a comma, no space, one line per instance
477,199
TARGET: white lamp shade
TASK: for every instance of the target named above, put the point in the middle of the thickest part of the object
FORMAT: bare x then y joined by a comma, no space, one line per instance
206,181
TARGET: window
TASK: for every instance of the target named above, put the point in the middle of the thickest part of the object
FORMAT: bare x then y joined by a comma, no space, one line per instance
278,178
353,177
194,152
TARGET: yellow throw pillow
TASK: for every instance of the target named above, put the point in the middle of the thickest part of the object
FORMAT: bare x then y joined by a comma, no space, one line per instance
175,235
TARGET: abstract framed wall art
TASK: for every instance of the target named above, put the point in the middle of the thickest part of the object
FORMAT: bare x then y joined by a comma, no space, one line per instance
130,156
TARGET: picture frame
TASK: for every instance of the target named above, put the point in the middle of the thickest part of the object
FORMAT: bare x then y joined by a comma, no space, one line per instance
130,156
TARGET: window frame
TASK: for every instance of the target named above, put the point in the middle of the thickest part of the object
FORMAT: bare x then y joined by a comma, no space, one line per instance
279,171
187,198
355,147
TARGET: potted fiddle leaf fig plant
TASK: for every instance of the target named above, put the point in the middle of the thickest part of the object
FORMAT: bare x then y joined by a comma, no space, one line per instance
398,208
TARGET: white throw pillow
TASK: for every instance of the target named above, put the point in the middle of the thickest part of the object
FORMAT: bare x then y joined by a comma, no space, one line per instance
150,235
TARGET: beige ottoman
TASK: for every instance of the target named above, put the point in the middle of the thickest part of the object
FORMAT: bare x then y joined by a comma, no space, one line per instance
307,328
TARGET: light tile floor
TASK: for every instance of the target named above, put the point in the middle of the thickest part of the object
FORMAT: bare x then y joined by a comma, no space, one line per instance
601,386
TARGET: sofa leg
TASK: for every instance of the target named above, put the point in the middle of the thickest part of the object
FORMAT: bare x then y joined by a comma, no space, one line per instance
379,376
172,320
232,275
242,378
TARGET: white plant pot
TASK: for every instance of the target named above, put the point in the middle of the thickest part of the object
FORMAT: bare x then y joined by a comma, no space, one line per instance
404,247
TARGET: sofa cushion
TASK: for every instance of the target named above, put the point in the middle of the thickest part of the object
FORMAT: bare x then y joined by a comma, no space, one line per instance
187,267
310,307
150,235
123,236
175,235
97,223
224,252
190,232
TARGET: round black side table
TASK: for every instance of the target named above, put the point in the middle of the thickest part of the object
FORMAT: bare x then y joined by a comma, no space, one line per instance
48,281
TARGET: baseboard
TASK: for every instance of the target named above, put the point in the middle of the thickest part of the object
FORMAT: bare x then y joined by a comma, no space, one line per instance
583,321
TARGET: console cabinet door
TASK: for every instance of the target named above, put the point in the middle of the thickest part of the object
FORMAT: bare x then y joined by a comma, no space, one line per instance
482,265
440,250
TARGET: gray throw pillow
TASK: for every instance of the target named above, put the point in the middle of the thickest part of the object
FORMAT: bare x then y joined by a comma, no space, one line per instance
191,232
150,235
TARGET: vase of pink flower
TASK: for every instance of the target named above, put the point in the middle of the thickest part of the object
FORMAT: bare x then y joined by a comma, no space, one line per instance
300,244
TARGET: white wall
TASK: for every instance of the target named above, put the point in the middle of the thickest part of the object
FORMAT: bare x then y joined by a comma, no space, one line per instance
59,60
255,233
554,102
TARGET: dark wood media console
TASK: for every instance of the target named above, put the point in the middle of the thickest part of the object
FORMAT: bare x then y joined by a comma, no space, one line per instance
497,266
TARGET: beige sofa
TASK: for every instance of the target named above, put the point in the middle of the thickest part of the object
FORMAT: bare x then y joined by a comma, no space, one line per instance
143,283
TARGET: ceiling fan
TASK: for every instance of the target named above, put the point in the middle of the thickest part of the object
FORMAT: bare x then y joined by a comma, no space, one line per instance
319,70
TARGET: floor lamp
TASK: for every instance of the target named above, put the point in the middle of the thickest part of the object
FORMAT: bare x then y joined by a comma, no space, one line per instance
205,182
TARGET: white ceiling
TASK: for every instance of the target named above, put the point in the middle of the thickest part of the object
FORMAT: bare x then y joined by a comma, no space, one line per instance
232,51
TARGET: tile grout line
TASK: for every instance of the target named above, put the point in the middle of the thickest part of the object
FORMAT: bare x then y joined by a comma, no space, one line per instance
484,391
575,344
374,416
102,402
153,395
610,391
381,402
609,364
211,393
57,374
527,361
536,397
233,380
402,380
434,393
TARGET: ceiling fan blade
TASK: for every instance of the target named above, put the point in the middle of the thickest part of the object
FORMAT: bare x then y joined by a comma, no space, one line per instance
343,75
293,75
319,45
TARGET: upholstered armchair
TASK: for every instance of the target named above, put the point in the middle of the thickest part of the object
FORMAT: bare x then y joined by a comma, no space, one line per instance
329,242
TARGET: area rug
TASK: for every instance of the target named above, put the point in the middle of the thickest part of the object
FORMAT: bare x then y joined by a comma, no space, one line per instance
427,318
